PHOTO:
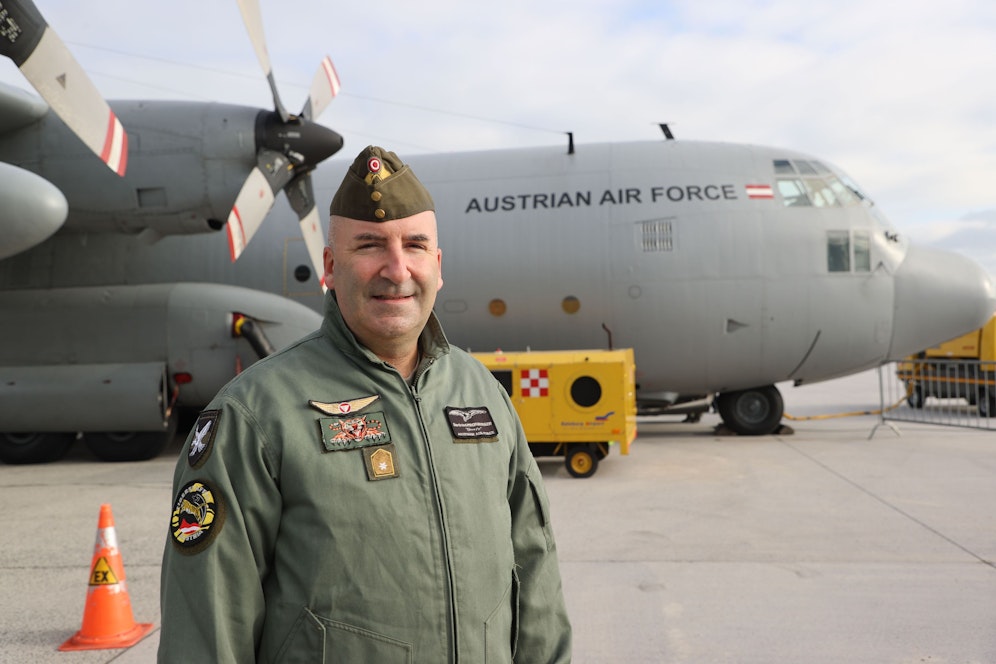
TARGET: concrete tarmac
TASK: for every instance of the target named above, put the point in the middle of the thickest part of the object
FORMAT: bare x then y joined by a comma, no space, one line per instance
813,546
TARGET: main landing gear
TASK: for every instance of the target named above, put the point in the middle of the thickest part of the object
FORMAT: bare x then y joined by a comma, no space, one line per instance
756,411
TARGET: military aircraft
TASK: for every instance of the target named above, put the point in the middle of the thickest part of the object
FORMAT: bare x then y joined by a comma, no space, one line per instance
727,268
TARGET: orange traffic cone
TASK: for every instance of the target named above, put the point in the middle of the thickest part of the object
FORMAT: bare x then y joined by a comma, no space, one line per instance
107,617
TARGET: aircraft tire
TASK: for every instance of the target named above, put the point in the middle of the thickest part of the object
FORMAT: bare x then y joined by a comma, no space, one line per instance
581,460
23,448
116,446
753,412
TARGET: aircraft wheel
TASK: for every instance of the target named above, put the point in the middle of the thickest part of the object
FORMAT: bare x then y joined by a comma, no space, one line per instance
17,448
581,460
129,445
754,412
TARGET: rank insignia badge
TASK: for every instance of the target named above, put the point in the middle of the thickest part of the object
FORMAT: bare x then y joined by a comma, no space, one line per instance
380,462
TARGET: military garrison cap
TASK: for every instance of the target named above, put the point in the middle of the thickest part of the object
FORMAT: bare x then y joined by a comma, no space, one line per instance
378,187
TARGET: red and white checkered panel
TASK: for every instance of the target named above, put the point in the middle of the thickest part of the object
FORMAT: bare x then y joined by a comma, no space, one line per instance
535,383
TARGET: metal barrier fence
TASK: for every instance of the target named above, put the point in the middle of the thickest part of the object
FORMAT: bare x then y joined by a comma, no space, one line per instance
960,393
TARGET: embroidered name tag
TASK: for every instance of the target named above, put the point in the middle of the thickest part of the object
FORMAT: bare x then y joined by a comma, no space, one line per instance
350,433
471,425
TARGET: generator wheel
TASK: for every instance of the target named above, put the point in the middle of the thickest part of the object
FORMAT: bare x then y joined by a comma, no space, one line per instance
581,460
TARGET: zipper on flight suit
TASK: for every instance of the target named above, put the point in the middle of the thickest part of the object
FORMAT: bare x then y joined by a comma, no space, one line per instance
413,391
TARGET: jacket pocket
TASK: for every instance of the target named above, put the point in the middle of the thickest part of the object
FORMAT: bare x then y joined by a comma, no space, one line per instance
501,629
317,639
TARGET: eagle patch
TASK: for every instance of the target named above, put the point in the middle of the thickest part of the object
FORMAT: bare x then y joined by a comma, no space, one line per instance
202,437
472,424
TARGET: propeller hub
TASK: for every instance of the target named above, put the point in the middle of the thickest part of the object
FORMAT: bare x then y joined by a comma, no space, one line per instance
304,142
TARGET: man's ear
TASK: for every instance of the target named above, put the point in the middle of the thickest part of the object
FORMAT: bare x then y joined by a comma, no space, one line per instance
328,260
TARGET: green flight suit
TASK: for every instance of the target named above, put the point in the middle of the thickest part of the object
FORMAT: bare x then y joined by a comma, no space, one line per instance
386,522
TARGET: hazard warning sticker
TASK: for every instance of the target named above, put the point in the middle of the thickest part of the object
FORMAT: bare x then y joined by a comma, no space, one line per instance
102,574
198,514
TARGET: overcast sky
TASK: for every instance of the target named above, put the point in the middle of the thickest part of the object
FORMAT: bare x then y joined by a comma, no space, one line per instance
901,95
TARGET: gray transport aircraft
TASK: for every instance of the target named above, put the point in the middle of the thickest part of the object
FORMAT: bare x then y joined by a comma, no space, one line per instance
727,268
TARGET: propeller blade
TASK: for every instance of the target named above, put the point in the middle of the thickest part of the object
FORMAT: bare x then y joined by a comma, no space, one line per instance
46,62
301,195
272,172
253,19
324,88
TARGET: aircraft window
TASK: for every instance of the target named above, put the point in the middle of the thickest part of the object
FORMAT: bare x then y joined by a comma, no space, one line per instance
820,193
793,193
302,273
819,167
657,235
805,167
784,167
844,195
851,186
838,251
862,251
571,304
497,307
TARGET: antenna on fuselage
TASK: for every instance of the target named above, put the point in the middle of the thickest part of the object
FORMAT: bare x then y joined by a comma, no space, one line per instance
667,131
570,142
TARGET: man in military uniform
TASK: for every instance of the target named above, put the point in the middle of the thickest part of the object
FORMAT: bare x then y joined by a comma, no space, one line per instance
367,494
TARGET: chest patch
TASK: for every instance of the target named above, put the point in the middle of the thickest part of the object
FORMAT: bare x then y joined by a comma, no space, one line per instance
471,425
352,432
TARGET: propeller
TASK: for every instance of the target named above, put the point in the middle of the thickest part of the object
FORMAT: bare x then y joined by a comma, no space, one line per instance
288,148
46,62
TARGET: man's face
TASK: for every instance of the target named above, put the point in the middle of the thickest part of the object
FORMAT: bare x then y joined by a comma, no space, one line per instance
385,276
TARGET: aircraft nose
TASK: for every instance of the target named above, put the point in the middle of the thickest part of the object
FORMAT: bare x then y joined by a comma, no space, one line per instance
939,295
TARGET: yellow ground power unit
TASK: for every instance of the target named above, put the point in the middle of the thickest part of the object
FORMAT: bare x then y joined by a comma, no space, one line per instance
572,403
962,368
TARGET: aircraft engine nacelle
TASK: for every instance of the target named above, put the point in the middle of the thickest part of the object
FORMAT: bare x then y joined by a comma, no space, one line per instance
33,210
118,358
186,165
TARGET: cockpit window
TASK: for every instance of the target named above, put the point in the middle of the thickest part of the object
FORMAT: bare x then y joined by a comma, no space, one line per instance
793,192
811,182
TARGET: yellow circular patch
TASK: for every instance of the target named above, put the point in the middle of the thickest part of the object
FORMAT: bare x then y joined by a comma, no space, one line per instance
197,517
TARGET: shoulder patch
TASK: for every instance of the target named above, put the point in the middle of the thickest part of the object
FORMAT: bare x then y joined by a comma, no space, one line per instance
198,514
472,424
202,437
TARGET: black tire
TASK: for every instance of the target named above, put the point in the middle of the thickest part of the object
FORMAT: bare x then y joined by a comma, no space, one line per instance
130,445
21,448
754,412
581,460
